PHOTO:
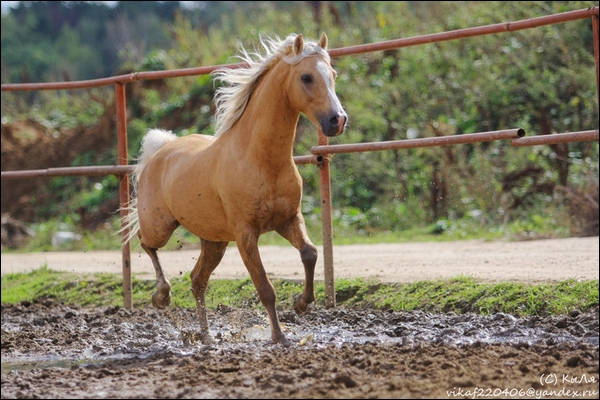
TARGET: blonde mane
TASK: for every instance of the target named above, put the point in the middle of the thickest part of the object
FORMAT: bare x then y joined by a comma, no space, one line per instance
239,83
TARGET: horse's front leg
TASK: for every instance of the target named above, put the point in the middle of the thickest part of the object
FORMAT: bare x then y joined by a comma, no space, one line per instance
295,233
162,296
247,243
211,254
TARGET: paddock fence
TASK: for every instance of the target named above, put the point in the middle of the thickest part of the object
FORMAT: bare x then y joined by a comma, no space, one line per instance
321,153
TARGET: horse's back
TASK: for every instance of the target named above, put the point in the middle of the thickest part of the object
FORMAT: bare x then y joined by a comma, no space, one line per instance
183,147
175,160
190,143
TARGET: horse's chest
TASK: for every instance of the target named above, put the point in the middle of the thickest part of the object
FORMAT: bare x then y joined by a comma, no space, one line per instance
274,205
278,202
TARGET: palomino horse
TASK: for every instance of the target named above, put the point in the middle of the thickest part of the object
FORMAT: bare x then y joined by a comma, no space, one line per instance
241,182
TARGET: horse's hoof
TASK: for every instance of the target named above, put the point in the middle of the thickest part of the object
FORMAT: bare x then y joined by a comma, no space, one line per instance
195,337
208,340
160,300
300,307
282,341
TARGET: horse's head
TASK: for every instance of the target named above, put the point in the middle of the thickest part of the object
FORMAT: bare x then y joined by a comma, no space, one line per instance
311,85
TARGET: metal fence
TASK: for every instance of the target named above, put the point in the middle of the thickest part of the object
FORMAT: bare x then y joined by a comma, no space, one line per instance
321,153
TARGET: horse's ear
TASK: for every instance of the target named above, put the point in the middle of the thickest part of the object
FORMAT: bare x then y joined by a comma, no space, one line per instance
323,41
298,44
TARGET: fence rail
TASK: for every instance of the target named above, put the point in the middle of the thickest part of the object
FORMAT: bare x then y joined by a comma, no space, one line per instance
322,152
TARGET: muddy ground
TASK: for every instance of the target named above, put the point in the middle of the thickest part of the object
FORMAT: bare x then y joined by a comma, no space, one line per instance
50,350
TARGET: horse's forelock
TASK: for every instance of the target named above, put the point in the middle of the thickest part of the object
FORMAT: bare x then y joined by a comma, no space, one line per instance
310,49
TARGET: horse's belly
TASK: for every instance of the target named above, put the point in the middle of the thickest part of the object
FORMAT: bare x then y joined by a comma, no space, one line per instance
212,206
209,228
202,217
208,232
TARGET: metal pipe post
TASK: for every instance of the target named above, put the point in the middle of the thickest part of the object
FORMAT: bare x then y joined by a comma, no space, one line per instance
327,226
124,192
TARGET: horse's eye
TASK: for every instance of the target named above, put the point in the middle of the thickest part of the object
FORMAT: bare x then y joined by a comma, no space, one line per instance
306,78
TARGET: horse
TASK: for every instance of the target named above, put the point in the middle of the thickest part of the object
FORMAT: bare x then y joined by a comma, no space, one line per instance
240,182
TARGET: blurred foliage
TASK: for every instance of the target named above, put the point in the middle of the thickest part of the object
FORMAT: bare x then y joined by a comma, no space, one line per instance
541,80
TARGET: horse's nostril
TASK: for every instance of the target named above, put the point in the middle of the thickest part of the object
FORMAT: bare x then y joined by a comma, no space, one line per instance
333,121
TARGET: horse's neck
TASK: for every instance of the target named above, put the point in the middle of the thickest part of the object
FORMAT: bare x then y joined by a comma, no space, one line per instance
267,127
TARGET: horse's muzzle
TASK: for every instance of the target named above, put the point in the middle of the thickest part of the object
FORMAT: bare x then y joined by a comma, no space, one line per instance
334,126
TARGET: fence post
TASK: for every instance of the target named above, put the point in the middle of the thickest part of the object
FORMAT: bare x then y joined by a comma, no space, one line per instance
596,34
124,191
325,181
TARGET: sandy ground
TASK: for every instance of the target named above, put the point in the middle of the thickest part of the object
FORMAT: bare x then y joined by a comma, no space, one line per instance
533,261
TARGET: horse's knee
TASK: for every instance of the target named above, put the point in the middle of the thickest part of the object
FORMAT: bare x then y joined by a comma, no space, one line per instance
308,255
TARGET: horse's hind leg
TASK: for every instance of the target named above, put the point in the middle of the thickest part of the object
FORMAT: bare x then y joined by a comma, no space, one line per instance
162,297
211,254
295,233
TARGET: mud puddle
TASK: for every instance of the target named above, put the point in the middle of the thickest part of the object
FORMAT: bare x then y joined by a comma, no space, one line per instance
50,335
53,351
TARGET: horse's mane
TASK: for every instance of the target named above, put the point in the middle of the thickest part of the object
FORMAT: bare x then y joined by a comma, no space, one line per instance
239,83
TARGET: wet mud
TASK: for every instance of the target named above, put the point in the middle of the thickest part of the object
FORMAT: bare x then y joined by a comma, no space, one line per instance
50,350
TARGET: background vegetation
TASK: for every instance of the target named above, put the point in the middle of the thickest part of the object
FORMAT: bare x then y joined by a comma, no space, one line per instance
538,79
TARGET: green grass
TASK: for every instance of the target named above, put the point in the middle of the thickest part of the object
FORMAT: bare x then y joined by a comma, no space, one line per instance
460,295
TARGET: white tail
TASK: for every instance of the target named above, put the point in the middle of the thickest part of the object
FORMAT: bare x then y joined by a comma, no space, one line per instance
153,141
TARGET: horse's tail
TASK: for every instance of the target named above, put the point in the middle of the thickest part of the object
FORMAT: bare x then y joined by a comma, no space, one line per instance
151,143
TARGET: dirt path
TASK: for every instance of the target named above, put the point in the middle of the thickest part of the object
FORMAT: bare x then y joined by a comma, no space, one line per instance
533,261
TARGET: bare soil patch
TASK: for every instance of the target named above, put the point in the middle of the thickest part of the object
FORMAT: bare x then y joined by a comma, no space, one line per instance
337,353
